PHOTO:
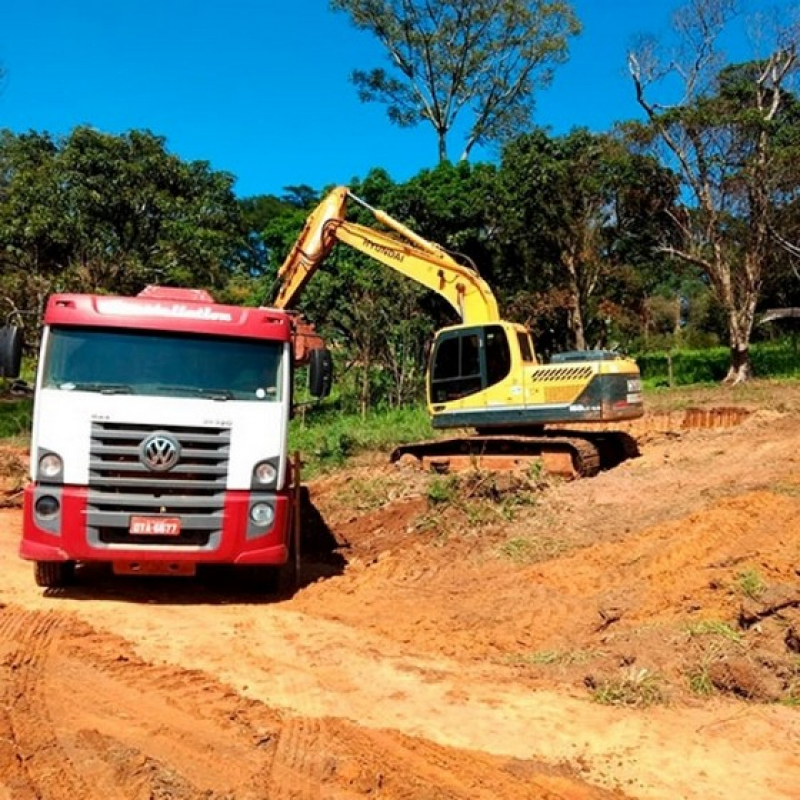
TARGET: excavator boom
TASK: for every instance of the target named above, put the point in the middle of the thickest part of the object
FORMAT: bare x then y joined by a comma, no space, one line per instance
412,256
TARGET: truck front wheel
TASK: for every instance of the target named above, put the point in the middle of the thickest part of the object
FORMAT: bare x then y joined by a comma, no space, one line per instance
52,574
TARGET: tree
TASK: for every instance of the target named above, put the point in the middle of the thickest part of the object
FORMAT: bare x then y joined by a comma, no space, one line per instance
576,213
485,58
98,212
722,139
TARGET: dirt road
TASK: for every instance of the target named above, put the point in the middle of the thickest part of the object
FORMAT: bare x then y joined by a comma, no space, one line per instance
631,635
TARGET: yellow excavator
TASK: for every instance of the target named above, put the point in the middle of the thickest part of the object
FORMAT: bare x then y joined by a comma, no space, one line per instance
484,373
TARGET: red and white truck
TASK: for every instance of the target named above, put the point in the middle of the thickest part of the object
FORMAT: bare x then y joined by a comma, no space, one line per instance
160,434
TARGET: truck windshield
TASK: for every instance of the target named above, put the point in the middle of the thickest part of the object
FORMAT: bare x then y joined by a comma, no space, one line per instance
162,364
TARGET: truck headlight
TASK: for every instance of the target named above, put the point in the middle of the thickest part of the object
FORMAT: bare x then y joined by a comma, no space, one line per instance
50,467
265,473
262,514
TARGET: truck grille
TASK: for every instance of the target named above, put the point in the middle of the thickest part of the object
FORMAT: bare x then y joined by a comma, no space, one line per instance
121,486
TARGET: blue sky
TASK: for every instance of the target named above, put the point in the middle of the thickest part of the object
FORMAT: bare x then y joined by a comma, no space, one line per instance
261,89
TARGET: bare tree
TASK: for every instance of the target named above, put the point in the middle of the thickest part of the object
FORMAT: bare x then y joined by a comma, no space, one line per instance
480,57
720,137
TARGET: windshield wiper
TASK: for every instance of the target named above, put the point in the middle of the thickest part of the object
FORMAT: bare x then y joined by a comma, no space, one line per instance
197,391
102,388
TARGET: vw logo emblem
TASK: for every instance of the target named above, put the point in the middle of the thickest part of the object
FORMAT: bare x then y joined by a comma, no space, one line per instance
160,451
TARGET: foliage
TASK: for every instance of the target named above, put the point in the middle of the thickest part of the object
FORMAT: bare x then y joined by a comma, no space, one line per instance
98,212
449,58
15,418
686,367
579,216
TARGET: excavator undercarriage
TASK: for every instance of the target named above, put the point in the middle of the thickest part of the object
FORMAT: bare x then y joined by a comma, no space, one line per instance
566,453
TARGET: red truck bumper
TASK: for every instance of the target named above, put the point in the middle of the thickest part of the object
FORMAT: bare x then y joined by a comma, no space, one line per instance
66,538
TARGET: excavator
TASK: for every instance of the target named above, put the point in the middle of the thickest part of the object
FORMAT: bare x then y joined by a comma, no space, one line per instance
483,374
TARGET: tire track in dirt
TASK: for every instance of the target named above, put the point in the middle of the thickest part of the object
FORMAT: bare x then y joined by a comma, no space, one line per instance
80,718
300,765
40,767
114,727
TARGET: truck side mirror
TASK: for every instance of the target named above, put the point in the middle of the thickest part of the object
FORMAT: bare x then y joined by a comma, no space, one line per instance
320,372
10,351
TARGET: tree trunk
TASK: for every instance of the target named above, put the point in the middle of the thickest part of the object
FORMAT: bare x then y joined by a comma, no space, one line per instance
576,312
740,326
740,369
442,146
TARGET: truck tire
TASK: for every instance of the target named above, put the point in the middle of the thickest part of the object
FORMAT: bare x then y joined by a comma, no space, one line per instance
10,351
52,574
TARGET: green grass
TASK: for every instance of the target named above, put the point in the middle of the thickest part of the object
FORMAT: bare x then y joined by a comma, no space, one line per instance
552,658
700,682
712,627
15,419
326,439
710,365
636,689
751,584
530,549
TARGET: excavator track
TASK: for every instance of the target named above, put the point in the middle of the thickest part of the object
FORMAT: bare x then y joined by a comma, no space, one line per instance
569,454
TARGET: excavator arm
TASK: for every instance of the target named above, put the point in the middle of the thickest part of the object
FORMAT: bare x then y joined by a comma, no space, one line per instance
412,255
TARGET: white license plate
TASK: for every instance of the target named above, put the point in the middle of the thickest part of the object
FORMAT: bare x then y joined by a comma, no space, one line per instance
155,526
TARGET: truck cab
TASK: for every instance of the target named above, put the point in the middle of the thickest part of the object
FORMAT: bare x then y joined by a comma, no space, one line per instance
160,436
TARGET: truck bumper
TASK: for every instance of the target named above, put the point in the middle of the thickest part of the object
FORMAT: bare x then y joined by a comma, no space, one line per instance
66,535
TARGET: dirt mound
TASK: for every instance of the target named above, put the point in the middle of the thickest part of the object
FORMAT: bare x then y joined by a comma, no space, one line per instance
592,582
13,475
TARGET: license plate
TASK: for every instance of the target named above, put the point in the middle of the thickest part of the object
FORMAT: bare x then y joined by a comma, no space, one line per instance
155,526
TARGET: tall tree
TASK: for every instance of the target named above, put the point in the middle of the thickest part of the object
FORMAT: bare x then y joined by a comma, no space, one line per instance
722,137
94,211
483,58
576,212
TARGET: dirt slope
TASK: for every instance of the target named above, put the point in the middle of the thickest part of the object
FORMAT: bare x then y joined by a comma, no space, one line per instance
633,635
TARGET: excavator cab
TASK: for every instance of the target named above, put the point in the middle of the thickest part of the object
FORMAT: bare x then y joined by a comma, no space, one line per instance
473,358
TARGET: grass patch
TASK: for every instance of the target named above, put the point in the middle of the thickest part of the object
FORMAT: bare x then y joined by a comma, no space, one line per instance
478,497
751,584
553,658
700,682
326,439
16,417
443,490
638,688
712,627
529,549
370,493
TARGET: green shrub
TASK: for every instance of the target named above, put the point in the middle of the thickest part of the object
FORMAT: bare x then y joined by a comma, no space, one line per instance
16,417
325,437
769,359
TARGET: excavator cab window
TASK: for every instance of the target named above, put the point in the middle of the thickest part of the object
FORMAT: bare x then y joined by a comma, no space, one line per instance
456,369
467,361
525,348
498,356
